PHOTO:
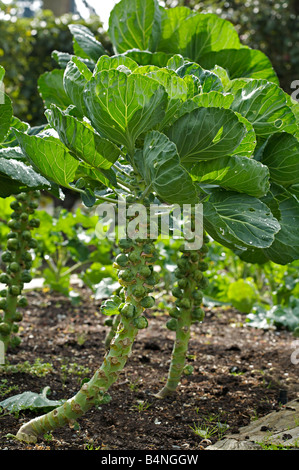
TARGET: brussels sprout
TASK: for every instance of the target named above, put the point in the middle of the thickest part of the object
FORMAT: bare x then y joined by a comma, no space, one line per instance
188,370
172,324
4,329
203,266
15,341
177,292
13,244
153,279
204,249
125,243
183,265
121,260
34,223
14,224
26,235
134,257
21,197
182,283
11,235
3,292
140,322
197,275
194,256
23,302
197,296
204,283
14,205
145,271
17,316
6,256
33,205
147,302
126,275
15,328
138,291
198,314
14,267
4,278
32,243
128,310
148,249
3,304
179,274
14,290
174,312
24,216
185,303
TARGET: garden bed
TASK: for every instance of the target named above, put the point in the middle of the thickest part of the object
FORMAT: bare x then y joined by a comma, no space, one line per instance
239,373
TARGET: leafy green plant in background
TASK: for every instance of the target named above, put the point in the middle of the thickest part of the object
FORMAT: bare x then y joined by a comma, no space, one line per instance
152,124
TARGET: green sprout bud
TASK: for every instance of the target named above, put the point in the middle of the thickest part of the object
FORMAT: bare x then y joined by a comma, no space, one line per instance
203,266
121,260
14,205
33,205
15,328
26,276
3,292
204,249
4,329
22,302
172,324
197,296
145,271
13,244
140,323
14,224
34,223
185,303
26,235
21,197
194,256
147,302
24,216
176,292
125,243
32,243
153,279
198,314
138,291
14,290
17,316
14,267
128,310
179,274
6,256
15,342
183,265
4,278
134,257
174,312
148,249
182,283
3,304
11,235
197,275
126,275
188,370
204,283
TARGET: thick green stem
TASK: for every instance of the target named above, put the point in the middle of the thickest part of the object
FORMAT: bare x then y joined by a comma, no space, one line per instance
187,311
111,333
137,278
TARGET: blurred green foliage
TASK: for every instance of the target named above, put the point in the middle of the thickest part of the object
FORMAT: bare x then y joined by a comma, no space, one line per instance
271,26
25,53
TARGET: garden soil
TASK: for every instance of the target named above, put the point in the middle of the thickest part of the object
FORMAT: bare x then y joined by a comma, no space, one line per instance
240,374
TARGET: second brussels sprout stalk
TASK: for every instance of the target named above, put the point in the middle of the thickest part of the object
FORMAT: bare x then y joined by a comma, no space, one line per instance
18,261
189,293
136,275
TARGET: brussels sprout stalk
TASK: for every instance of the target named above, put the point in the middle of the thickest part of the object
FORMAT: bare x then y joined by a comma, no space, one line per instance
137,278
18,261
187,310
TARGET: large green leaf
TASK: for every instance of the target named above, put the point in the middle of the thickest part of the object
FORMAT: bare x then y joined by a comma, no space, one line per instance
234,173
209,81
176,89
22,174
264,105
75,77
171,23
200,34
160,59
239,221
160,167
5,114
121,106
30,401
281,155
50,156
135,24
248,143
244,62
285,247
82,140
206,133
107,63
84,40
50,86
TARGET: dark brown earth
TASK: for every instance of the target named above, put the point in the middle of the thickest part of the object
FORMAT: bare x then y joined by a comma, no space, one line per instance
239,373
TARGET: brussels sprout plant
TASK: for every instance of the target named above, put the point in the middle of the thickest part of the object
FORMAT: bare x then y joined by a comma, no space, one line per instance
182,113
